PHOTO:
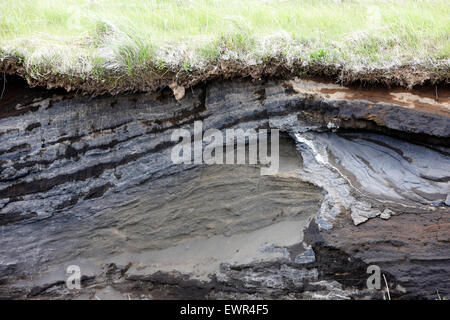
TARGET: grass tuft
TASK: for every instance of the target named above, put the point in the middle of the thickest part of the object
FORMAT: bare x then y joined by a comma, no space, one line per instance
117,38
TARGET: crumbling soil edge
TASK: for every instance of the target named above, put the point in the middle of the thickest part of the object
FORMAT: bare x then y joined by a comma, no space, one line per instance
406,75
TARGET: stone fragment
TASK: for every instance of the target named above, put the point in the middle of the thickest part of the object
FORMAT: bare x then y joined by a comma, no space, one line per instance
306,257
178,91
386,214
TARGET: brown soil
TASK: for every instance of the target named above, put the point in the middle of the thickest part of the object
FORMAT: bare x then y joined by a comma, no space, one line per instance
406,76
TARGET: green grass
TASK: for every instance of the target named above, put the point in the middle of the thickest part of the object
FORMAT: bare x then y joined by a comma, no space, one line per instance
96,38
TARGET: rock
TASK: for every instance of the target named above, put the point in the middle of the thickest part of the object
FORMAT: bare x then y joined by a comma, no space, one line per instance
306,257
178,91
361,212
386,214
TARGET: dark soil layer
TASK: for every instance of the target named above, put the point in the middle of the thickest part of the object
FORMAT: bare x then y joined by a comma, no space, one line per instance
406,76
91,178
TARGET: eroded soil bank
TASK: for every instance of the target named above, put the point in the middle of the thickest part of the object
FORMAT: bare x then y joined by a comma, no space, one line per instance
364,180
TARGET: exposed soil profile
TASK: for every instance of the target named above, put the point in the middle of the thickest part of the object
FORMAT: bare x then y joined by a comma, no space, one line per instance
89,181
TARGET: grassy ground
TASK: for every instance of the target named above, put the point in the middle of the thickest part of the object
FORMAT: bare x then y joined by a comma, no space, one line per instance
125,43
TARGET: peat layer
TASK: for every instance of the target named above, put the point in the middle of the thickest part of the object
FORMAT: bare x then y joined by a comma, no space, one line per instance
151,79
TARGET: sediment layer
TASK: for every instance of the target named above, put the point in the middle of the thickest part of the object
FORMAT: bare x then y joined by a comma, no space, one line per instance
90,181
